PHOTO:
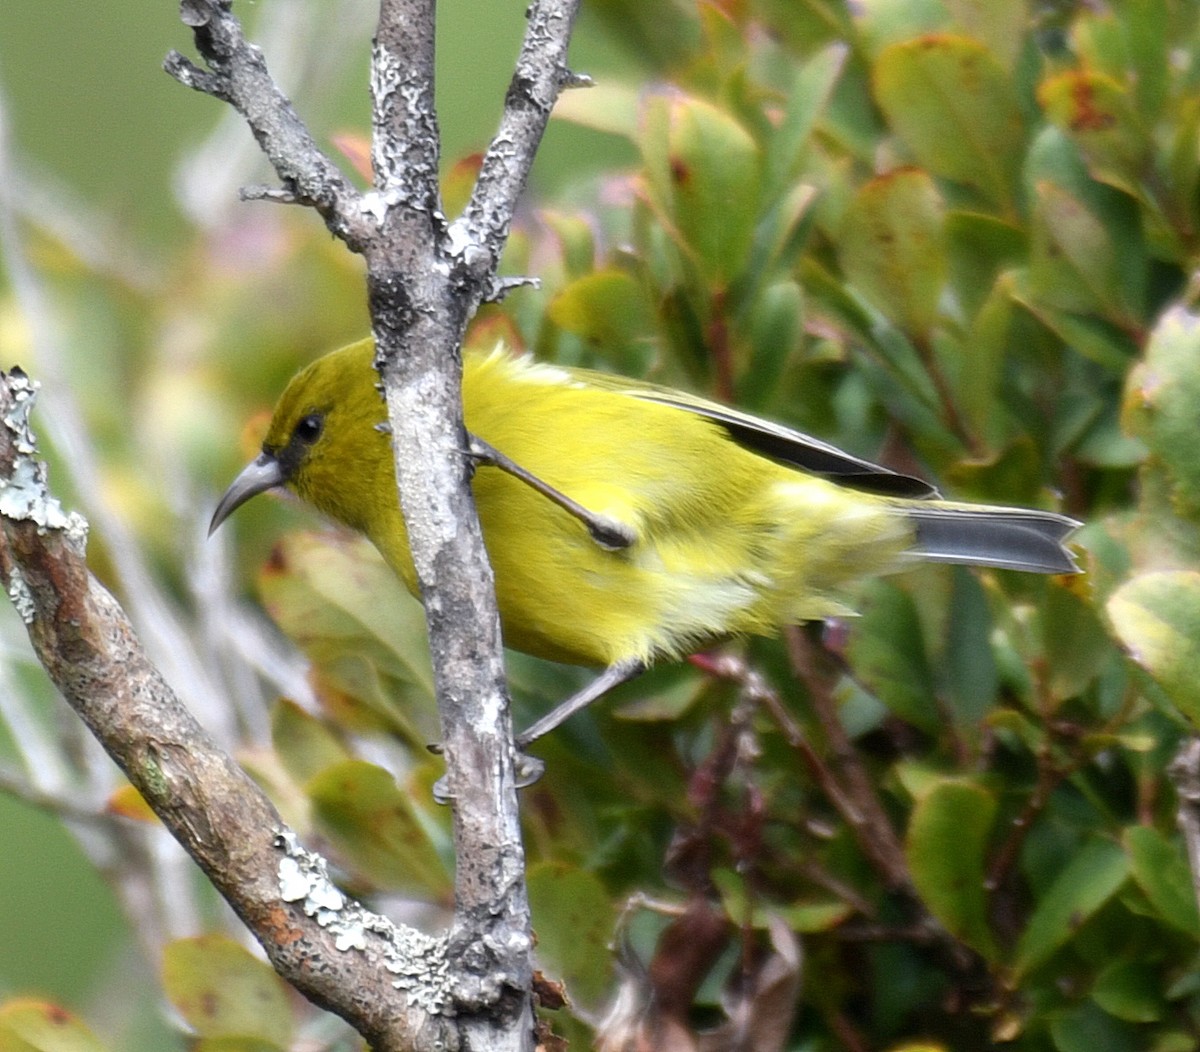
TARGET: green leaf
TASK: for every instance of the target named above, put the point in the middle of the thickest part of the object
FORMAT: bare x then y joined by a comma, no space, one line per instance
1131,991
1163,398
971,677
1087,335
334,596
892,248
610,310
1086,1028
606,106
1090,879
574,919
945,847
29,1025
953,104
776,332
223,990
1074,641
706,180
1161,871
576,239
1001,26
303,743
811,89
1157,619
362,811
1073,261
887,652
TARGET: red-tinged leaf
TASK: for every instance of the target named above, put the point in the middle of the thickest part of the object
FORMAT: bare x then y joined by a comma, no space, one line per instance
29,1025
1095,113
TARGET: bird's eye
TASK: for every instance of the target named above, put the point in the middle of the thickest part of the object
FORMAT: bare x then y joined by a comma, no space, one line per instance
308,430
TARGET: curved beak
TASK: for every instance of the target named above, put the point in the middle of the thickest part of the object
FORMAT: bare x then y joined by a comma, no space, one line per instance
258,476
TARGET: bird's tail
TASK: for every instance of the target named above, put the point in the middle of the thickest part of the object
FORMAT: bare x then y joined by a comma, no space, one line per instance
1009,538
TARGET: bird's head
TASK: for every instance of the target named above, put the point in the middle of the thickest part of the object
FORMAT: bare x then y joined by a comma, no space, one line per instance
324,442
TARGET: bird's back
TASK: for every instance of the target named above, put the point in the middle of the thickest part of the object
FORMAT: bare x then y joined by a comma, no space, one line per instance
727,542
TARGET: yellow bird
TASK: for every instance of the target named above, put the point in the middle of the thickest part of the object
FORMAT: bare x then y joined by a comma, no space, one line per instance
628,523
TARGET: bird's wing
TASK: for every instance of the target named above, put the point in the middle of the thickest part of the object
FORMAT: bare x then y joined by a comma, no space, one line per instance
774,440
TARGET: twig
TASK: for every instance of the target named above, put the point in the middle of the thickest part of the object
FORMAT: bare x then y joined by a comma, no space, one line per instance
237,74
866,816
209,804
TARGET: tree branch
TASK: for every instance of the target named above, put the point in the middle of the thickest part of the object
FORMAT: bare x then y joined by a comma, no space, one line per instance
237,74
425,280
540,75
208,803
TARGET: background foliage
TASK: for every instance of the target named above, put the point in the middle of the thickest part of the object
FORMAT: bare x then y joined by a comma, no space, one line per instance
957,236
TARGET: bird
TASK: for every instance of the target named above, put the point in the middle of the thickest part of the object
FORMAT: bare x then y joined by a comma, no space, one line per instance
630,524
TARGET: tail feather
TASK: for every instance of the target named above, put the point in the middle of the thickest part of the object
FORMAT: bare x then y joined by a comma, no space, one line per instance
1008,538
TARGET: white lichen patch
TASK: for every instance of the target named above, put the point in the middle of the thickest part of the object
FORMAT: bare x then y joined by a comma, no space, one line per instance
24,494
21,596
417,960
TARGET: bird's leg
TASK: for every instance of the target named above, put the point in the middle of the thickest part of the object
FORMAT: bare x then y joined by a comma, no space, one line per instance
606,532
528,769
613,676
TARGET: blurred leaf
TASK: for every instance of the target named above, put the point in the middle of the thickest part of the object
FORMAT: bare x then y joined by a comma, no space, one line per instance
576,239
1157,618
800,917
1074,641
222,990
232,1044
1163,404
952,103
1088,335
892,249
366,816
946,844
459,183
706,178
607,106
1074,263
610,310
1086,1028
1094,110
1130,990
304,744
28,1025
887,652
776,332
127,802
969,666
1161,870
335,597
1001,26
979,247
574,921
811,89
883,22
1092,876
